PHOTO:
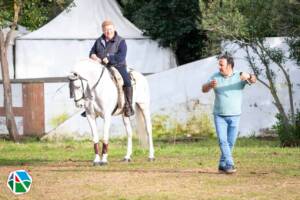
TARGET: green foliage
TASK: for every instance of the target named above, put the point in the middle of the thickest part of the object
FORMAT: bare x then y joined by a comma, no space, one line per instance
200,125
34,13
172,23
56,121
250,20
195,126
294,44
289,136
248,23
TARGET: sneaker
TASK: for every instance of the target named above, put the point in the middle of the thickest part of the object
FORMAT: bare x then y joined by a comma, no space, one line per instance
229,169
221,169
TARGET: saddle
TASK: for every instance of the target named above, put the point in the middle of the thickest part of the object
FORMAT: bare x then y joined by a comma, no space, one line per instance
118,80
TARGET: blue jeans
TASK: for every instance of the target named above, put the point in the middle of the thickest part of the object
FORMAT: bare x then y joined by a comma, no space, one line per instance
125,75
227,131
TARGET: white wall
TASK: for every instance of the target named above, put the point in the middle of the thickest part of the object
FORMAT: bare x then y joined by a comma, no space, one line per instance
174,92
17,101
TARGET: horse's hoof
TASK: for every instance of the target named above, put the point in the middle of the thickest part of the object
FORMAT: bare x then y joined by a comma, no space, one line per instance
96,163
103,163
126,160
151,159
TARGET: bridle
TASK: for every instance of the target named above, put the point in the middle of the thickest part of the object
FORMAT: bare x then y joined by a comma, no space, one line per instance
83,96
75,77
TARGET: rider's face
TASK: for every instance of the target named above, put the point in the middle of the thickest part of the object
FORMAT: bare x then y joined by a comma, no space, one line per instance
109,31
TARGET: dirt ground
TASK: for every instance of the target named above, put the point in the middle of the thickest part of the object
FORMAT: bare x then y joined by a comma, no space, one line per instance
80,180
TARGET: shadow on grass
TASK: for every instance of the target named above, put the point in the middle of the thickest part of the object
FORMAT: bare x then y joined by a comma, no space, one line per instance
107,169
213,141
34,162
23,162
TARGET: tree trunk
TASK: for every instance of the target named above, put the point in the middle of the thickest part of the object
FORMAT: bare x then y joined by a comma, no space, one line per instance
10,119
254,68
272,86
288,80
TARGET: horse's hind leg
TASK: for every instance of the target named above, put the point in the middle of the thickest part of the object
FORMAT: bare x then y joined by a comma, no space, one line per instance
128,128
144,108
92,123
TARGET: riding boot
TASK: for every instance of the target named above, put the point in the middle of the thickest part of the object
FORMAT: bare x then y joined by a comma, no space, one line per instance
128,110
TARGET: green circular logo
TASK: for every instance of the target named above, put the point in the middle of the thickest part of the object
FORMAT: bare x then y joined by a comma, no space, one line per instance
19,182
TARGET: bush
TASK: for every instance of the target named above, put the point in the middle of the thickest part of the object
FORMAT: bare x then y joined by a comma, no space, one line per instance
200,125
196,126
288,136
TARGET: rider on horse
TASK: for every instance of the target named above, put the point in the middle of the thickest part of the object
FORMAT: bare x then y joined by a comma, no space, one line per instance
110,49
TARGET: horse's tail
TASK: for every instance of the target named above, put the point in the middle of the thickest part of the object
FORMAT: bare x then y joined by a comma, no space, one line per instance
141,126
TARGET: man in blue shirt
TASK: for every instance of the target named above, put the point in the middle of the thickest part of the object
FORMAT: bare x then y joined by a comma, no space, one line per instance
110,49
228,86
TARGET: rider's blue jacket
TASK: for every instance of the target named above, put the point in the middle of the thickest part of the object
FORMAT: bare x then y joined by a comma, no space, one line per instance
115,50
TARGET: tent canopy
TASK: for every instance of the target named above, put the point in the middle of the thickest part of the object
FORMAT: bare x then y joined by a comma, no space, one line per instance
52,50
83,19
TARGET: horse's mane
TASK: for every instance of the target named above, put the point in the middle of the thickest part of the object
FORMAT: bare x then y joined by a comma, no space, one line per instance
89,70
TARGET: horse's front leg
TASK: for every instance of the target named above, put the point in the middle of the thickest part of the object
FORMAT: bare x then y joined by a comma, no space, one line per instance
106,126
128,128
92,122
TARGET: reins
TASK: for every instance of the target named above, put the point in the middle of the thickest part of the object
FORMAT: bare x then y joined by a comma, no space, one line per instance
83,93
99,78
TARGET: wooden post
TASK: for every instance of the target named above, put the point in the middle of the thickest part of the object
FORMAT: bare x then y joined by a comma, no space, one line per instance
33,101
33,110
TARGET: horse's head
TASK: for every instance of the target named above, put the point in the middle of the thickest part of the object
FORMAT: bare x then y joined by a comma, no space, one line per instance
78,89
84,77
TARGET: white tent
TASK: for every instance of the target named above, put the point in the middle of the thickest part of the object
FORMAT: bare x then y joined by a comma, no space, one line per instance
52,50
10,51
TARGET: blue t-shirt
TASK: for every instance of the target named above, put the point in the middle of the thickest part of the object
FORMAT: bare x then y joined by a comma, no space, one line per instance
228,94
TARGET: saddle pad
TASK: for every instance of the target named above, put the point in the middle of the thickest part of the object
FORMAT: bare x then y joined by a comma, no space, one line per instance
118,80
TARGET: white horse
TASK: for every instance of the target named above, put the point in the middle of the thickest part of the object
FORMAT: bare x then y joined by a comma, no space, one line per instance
92,87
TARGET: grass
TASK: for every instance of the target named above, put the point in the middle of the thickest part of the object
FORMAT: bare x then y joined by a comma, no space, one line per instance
185,170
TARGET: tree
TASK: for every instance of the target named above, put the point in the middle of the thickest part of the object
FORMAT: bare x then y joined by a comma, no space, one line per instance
247,23
31,13
172,23
4,44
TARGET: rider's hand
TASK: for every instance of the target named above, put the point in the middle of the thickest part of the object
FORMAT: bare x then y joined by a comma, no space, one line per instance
105,60
95,58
